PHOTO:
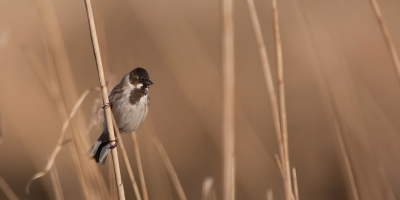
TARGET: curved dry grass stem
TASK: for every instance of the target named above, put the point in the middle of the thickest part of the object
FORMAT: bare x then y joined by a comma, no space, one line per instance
228,65
7,190
170,169
106,102
128,164
388,36
61,141
139,165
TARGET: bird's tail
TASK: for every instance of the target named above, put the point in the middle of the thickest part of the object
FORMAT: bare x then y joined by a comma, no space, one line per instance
101,149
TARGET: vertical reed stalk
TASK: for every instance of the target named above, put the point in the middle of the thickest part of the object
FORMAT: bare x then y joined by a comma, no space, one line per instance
282,102
139,165
387,35
128,164
278,110
96,48
268,79
228,65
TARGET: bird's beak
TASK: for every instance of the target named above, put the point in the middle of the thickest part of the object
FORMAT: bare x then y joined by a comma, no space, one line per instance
148,82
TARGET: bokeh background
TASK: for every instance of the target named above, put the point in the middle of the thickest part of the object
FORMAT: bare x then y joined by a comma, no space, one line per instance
335,58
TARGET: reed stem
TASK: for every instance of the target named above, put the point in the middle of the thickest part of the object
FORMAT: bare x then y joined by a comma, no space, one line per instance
104,92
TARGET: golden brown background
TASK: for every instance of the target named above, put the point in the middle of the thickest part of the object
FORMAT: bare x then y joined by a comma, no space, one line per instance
329,47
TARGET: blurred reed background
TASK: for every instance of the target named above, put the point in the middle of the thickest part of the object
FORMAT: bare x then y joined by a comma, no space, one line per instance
341,86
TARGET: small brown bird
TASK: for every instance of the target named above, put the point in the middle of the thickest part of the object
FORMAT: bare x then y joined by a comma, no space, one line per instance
129,101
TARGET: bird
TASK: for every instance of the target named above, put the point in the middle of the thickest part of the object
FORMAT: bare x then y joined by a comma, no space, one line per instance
129,102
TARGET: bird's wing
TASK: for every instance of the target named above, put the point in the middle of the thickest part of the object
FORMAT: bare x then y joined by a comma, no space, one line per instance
116,93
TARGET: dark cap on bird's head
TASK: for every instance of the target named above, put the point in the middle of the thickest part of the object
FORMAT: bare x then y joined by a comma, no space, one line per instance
139,75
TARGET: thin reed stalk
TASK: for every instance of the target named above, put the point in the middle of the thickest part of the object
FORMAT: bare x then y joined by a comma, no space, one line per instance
278,110
347,163
56,183
282,101
273,100
7,190
106,102
387,36
128,164
171,170
139,165
228,131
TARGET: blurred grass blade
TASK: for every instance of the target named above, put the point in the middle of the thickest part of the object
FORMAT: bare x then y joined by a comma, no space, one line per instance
170,169
295,186
60,142
387,36
208,189
7,190
270,195
347,162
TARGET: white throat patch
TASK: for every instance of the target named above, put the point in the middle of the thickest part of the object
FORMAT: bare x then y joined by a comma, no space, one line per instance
139,86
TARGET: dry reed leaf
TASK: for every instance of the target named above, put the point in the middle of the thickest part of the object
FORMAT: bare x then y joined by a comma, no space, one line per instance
61,141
